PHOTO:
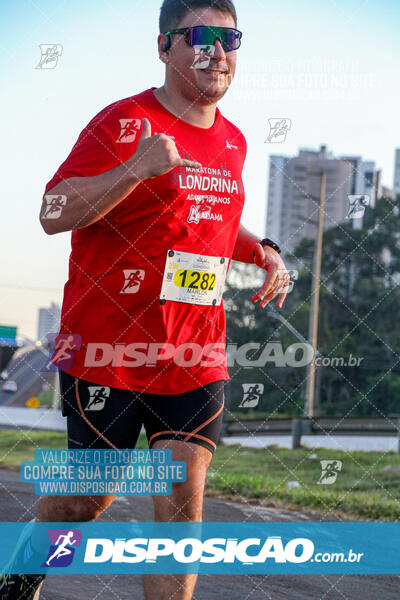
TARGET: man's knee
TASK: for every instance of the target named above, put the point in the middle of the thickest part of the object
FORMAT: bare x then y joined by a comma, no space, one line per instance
72,508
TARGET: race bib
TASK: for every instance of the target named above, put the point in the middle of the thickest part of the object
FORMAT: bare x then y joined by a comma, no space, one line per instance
194,278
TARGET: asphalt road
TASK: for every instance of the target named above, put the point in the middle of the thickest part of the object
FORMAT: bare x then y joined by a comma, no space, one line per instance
18,503
25,368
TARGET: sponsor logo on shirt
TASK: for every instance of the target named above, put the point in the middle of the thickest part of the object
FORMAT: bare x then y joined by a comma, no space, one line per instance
205,183
198,214
205,199
230,146
133,281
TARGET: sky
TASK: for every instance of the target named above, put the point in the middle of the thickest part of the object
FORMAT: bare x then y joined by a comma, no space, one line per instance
329,66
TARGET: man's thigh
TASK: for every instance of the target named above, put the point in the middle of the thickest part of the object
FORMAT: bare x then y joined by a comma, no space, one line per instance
99,416
194,417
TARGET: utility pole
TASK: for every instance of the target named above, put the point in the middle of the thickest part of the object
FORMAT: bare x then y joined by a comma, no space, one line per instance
315,288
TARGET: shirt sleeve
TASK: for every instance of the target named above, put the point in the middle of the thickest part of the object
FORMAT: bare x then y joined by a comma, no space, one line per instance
97,149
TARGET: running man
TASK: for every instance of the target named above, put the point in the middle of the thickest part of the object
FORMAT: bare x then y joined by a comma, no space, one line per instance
62,549
127,207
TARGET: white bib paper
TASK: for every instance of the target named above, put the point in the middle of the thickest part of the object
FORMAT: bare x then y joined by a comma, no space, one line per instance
194,278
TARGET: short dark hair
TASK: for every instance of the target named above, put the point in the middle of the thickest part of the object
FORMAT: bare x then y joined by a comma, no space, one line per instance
173,11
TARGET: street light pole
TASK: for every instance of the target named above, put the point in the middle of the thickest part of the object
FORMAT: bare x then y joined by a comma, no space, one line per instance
315,287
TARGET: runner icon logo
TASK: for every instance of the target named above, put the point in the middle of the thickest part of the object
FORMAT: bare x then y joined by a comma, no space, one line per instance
129,129
54,207
61,551
252,393
133,281
202,56
62,350
358,204
98,397
278,130
330,471
50,55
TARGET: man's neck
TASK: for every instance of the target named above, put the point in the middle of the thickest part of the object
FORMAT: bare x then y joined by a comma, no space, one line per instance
199,115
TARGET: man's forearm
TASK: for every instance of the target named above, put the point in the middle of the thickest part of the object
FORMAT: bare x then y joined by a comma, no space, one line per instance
89,199
244,247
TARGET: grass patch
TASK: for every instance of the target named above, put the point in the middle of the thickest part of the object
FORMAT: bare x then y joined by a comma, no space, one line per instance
364,488
46,398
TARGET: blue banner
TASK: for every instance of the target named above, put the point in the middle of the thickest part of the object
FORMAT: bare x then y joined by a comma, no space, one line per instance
208,548
103,472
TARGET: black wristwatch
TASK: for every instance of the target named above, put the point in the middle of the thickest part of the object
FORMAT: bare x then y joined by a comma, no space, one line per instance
271,244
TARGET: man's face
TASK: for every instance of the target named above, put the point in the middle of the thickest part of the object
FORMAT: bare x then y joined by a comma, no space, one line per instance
201,85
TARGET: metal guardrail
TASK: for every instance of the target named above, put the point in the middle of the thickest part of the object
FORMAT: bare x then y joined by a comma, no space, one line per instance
296,427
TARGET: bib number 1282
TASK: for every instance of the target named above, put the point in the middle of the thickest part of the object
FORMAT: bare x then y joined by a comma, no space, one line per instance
195,280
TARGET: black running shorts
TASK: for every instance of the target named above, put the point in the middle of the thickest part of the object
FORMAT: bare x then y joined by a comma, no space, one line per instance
102,417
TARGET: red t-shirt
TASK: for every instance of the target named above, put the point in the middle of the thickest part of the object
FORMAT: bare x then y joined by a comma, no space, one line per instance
112,296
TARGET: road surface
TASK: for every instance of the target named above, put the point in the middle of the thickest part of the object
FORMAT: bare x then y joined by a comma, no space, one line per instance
25,369
18,503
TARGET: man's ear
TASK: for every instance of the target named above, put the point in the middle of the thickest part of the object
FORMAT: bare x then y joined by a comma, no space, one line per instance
164,43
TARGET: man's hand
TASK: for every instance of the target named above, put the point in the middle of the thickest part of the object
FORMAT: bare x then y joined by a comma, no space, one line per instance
156,155
277,280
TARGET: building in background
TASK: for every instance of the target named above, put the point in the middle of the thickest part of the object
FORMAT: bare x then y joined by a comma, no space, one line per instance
49,321
294,189
396,178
